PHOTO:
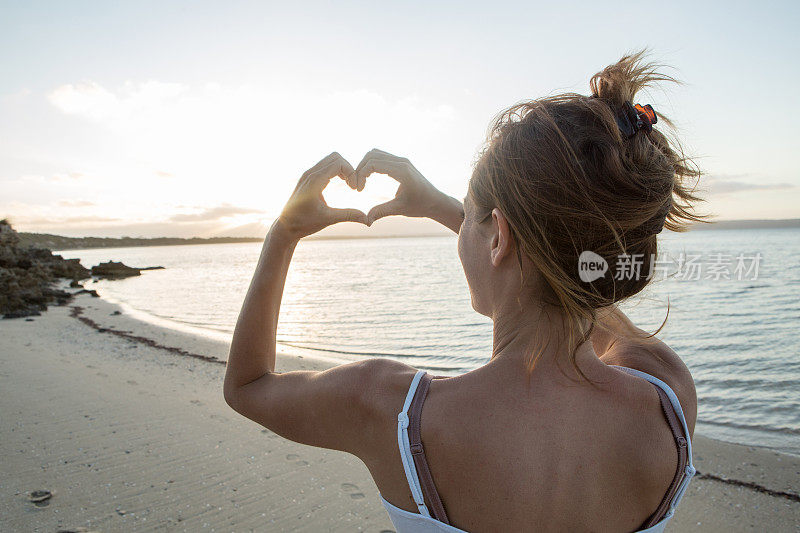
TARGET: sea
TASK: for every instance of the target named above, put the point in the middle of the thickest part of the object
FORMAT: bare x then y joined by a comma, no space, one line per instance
733,298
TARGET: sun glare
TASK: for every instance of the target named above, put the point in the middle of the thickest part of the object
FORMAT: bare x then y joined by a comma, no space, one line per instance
379,189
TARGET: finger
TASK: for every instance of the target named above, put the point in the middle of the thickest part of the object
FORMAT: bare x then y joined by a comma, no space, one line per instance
381,154
396,169
336,166
375,152
322,163
361,177
348,215
392,207
350,174
333,161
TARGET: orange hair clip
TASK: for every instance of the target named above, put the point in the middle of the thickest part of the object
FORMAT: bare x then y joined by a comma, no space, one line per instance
632,118
647,112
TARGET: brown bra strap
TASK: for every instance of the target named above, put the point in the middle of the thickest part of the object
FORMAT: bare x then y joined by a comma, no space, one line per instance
683,457
431,495
429,492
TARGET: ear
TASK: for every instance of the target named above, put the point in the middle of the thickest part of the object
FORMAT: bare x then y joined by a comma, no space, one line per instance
502,243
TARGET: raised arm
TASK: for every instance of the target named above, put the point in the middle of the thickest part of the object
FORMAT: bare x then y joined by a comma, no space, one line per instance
327,409
416,196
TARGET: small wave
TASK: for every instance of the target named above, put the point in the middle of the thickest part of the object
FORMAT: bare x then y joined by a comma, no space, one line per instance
727,347
350,352
421,364
756,427
745,382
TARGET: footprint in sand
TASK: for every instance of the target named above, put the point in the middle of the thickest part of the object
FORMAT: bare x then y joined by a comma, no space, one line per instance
296,459
352,490
40,498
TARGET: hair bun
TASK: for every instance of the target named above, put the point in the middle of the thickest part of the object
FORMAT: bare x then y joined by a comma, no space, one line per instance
619,83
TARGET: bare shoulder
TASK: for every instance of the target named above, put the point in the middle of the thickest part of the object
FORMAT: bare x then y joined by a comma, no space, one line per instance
386,383
383,387
656,358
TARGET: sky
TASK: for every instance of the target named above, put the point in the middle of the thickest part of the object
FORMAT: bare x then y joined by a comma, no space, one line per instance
198,118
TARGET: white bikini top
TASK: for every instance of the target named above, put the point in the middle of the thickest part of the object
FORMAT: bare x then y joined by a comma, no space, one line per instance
432,516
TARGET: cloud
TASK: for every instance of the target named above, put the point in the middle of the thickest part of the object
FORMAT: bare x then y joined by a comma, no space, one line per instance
213,147
57,221
93,101
68,176
253,229
75,203
214,213
732,183
100,227
162,118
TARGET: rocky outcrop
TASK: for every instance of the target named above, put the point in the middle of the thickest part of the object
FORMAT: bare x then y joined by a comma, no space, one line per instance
116,270
27,275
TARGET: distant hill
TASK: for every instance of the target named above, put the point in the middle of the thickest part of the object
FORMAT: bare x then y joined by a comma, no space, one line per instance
748,224
58,242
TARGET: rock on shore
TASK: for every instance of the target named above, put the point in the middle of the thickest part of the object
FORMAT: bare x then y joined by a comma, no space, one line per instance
114,270
27,275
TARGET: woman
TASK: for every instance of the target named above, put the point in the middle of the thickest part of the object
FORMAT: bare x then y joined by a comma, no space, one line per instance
579,420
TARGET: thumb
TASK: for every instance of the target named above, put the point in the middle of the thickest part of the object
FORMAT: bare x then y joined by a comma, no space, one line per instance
392,207
348,215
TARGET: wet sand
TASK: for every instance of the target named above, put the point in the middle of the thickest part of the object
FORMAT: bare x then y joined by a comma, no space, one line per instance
124,422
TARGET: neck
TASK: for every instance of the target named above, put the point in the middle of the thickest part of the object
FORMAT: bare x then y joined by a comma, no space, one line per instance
519,330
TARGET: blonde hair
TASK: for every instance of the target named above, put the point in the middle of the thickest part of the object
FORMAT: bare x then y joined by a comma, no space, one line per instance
568,180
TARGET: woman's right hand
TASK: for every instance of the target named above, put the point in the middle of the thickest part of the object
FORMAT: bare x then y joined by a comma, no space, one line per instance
415,197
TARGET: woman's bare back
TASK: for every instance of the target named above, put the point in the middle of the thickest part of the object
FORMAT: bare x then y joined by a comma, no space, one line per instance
508,455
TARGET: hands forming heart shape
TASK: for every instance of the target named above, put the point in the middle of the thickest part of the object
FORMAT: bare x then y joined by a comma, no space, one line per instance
306,212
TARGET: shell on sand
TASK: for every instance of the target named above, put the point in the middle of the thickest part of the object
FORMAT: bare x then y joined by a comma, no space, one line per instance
37,496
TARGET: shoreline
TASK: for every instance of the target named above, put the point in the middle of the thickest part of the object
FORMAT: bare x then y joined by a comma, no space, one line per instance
160,389
323,363
327,360
77,312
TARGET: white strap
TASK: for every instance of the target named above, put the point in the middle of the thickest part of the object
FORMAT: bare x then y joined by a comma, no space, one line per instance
405,448
676,404
673,398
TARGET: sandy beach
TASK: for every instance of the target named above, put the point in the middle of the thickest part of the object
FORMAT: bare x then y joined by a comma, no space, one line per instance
124,422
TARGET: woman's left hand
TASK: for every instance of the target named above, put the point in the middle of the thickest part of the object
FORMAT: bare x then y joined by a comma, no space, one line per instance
306,211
